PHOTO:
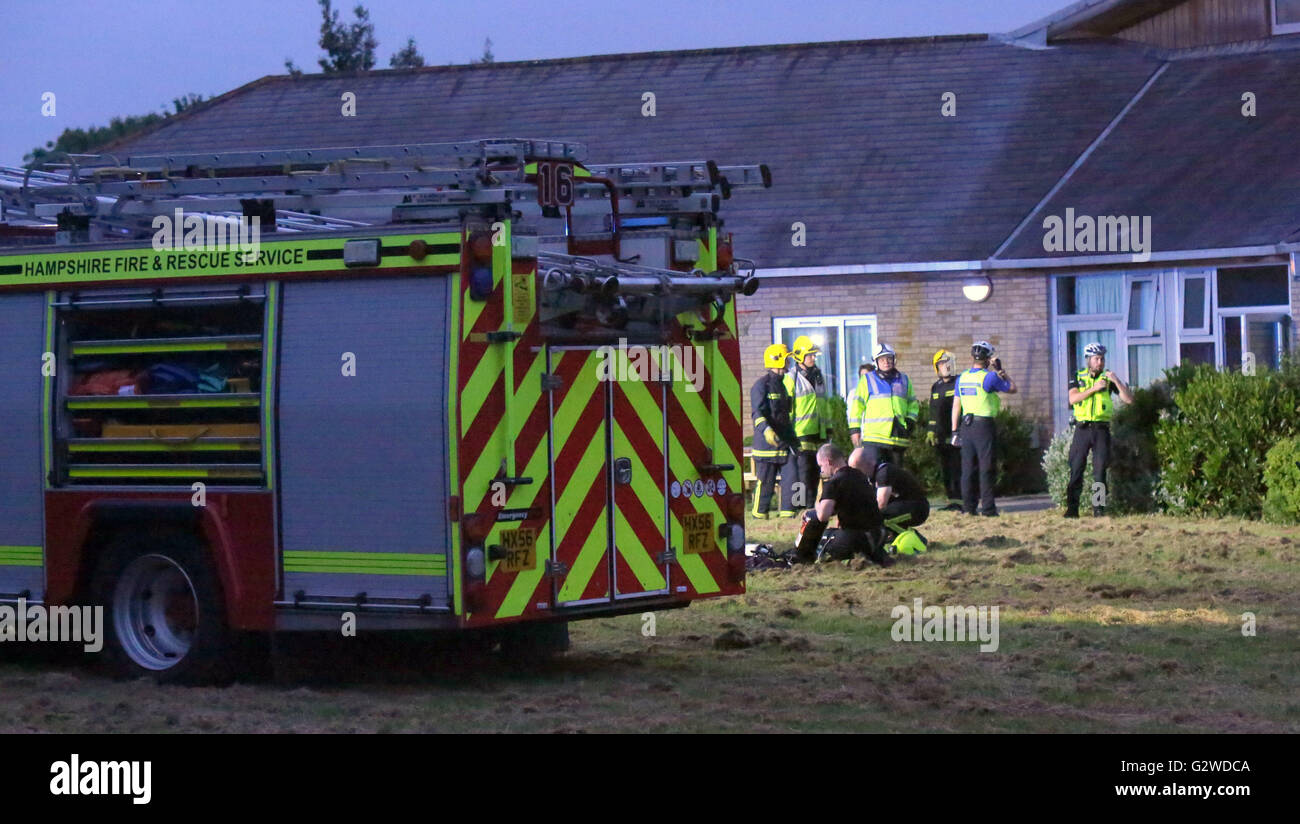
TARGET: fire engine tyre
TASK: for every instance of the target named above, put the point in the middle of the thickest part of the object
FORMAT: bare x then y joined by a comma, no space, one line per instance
164,614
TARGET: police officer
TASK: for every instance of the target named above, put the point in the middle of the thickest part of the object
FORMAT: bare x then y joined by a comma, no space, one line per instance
1090,393
902,501
774,436
848,495
940,434
808,389
973,414
884,411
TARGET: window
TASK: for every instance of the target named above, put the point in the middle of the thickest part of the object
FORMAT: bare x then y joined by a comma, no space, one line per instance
1196,303
1146,364
1253,286
1196,353
1286,16
845,341
1143,306
1090,295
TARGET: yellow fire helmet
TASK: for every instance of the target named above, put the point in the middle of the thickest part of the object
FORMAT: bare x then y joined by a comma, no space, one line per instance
942,355
804,346
774,356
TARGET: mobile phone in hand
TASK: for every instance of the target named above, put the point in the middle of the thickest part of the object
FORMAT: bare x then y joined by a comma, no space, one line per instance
997,364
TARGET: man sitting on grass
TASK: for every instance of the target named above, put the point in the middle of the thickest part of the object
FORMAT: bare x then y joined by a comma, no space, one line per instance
848,495
902,502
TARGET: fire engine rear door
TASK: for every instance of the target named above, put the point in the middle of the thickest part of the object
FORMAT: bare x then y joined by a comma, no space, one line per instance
607,436
579,476
638,469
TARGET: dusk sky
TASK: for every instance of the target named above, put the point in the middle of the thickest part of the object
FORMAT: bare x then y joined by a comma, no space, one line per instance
104,59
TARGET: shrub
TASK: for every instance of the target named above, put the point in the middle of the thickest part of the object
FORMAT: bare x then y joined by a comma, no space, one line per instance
1134,469
1282,477
837,409
1056,466
1212,451
922,460
1018,462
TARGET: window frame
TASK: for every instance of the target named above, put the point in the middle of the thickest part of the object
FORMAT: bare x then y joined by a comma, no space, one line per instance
840,322
1280,28
1206,329
1152,330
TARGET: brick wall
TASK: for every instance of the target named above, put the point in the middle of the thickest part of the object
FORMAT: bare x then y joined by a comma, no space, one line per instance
918,314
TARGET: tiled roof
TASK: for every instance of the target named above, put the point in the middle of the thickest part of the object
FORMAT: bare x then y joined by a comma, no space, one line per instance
852,131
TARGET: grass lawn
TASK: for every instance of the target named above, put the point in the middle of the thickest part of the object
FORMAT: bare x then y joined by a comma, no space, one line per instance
1120,624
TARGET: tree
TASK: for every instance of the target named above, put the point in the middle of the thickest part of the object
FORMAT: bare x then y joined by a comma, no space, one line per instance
349,48
408,57
487,52
87,141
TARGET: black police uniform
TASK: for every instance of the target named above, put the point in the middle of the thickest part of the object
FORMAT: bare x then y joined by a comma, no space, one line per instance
1088,435
941,395
772,405
908,505
859,517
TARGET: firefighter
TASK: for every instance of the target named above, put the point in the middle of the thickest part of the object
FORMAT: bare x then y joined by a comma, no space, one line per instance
848,495
1090,393
902,501
774,437
808,388
940,434
884,412
975,408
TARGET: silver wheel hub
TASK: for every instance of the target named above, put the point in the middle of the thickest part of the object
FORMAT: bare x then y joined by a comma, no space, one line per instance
155,612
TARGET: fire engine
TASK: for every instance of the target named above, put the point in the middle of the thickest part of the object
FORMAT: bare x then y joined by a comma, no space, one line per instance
261,391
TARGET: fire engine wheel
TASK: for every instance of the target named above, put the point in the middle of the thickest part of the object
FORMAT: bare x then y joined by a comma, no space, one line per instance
165,615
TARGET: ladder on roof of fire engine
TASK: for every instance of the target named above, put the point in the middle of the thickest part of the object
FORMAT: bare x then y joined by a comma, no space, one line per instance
416,181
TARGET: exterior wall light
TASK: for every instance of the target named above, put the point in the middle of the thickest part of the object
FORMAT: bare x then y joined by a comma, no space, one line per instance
977,288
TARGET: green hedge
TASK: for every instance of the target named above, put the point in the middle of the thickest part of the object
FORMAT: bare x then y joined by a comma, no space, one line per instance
1212,450
1056,466
1019,472
1282,478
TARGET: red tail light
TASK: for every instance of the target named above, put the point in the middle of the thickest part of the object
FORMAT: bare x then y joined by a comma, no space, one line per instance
480,247
477,528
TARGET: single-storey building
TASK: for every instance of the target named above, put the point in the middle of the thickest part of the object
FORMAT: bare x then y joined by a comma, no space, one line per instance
1123,171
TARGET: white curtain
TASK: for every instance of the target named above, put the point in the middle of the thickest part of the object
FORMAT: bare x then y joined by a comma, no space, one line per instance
1099,295
1146,362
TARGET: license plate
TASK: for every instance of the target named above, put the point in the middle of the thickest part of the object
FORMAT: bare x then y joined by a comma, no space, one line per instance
520,546
697,530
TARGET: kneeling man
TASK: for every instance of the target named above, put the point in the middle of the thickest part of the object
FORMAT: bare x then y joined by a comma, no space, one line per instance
848,495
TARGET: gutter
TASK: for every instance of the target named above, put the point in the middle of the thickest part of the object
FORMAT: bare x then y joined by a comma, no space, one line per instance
994,265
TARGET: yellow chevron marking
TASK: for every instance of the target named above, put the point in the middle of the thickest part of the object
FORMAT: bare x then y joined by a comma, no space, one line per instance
637,550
